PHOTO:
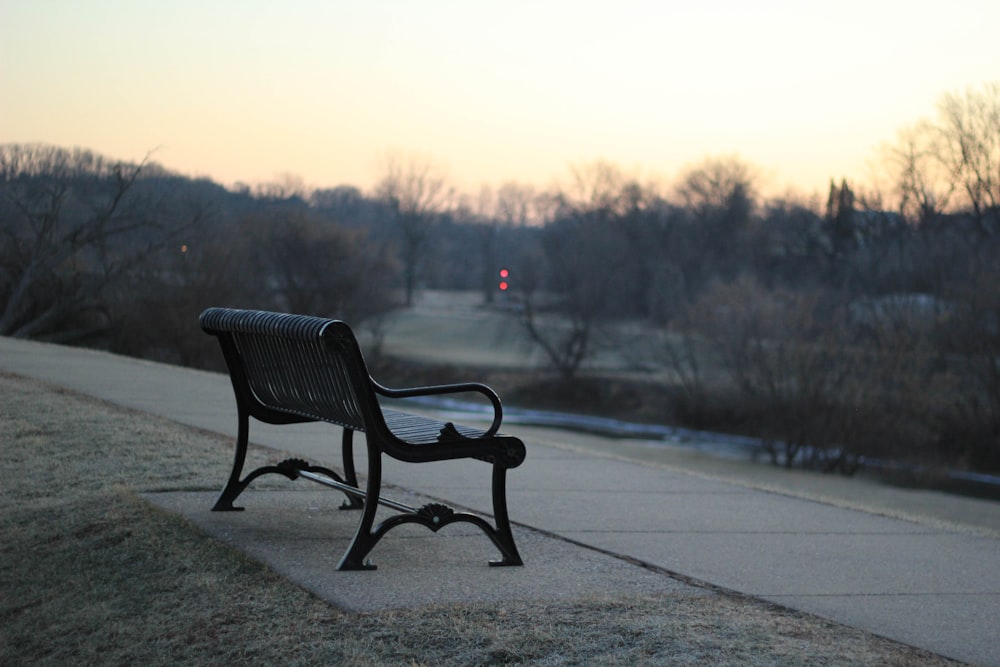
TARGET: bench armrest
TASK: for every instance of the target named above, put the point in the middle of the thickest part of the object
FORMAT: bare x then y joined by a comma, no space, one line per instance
450,389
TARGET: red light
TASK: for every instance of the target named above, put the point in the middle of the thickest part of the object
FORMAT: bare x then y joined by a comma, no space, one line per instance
503,286
504,273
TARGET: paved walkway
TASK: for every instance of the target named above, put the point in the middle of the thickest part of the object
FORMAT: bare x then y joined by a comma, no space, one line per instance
930,580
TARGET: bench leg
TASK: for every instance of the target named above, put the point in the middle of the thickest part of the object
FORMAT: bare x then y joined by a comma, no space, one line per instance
350,475
290,468
433,516
503,538
233,486
364,540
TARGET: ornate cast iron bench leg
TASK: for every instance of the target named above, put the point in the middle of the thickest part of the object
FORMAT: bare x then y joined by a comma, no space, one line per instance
289,468
233,486
350,475
504,538
433,516
364,540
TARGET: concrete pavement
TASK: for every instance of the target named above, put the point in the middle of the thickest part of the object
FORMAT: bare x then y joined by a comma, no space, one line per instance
918,567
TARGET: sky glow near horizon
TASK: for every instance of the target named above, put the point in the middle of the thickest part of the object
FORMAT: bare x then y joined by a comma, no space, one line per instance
491,91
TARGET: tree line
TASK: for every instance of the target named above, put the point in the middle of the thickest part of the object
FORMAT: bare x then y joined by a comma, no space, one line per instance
863,326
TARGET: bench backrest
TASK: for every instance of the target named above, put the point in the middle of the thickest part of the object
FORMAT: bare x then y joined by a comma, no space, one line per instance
309,367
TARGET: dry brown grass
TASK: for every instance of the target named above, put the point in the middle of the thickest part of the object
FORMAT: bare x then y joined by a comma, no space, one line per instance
90,574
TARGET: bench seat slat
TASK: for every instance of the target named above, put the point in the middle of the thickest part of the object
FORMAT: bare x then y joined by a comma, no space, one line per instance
419,430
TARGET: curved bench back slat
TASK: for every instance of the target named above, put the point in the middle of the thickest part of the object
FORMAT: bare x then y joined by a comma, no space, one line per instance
307,366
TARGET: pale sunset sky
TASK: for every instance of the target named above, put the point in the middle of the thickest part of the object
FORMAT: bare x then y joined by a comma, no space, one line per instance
248,90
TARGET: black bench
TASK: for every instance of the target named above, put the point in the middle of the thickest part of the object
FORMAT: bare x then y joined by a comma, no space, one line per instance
289,369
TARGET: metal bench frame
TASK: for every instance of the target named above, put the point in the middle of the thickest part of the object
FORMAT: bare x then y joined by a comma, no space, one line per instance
288,369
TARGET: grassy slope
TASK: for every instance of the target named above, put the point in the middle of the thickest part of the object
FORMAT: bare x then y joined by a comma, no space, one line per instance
89,573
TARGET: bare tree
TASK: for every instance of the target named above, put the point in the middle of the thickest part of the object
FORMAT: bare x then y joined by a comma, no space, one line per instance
511,206
923,186
720,196
286,185
562,306
322,269
806,381
72,224
585,264
721,184
596,190
480,215
951,163
416,192
791,242
516,204
969,148
972,431
156,304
